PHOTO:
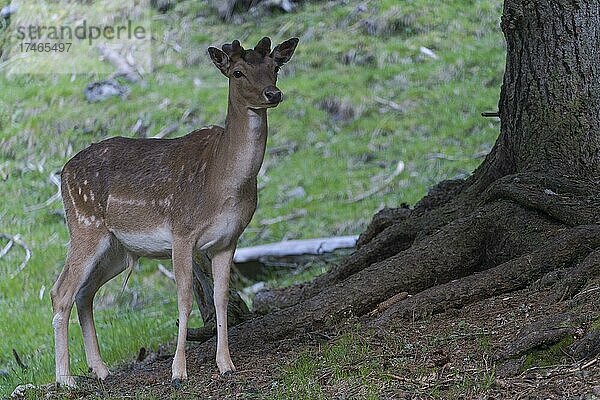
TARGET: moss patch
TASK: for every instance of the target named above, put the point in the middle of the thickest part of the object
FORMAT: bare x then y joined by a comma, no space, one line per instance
549,355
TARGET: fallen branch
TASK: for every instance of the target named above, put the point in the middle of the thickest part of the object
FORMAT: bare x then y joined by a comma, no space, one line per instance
282,218
294,248
587,291
391,104
384,305
166,131
443,156
16,239
6,248
588,364
123,67
55,179
166,272
379,188
509,276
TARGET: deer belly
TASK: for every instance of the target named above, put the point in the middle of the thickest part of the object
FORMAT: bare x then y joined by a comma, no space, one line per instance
155,242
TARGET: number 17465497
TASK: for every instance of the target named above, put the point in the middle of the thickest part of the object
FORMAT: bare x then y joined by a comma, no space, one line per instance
46,47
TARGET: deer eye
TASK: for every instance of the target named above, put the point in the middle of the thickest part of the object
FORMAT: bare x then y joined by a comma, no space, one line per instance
238,74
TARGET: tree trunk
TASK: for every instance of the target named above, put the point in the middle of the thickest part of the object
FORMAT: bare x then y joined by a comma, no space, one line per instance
530,209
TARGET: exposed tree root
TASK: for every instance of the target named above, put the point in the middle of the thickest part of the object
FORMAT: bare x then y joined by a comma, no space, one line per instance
572,284
566,199
391,232
588,347
382,220
512,275
546,332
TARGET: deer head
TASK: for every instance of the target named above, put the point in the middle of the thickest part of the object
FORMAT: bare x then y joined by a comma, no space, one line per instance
253,73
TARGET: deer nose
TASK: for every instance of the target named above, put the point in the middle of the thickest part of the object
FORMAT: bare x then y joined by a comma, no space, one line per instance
272,94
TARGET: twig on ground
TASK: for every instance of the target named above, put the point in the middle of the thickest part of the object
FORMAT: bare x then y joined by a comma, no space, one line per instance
586,365
123,67
443,156
166,272
293,215
383,185
391,104
6,248
396,377
16,239
55,179
587,291
490,114
167,131
384,305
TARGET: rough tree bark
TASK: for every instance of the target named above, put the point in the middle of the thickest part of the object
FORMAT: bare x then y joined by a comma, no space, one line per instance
531,208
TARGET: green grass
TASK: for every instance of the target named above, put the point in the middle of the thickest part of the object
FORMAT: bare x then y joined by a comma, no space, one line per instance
45,120
342,364
547,356
356,366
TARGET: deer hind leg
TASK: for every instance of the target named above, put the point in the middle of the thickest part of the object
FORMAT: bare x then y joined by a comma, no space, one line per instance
86,249
114,261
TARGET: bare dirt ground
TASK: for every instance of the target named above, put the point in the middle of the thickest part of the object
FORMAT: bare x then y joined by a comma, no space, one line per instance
450,355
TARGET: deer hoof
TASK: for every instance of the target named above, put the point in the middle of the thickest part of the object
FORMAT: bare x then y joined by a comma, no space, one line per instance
66,381
228,374
177,383
100,372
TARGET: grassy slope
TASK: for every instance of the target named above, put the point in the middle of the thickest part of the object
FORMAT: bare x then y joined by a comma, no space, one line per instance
44,120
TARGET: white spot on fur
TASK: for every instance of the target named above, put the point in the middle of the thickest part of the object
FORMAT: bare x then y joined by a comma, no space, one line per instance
85,198
127,202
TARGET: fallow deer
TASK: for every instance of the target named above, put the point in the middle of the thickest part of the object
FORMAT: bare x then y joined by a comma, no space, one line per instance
160,198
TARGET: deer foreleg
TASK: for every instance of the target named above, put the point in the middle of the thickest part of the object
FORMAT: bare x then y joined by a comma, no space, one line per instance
221,267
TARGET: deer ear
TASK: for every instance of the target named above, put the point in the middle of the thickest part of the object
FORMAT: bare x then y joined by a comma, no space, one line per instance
283,52
220,59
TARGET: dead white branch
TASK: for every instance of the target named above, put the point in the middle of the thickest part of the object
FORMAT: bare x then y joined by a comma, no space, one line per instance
387,181
293,215
16,239
166,272
166,131
55,179
123,67
6,248
391,104
294,248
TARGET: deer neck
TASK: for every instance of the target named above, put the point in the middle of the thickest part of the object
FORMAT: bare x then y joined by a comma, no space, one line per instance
244,141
